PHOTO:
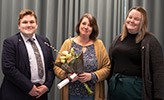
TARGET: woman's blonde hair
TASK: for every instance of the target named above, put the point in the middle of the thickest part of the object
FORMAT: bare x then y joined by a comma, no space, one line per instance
143,25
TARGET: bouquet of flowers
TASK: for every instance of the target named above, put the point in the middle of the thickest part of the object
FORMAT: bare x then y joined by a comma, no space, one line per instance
71,63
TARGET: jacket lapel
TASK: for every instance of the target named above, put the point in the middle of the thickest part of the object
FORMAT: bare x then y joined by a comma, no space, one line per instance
23,52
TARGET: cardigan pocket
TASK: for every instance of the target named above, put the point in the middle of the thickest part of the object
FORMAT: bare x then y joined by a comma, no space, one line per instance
148,88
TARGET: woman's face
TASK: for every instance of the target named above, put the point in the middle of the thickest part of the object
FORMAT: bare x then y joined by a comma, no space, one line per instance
85,28
133,21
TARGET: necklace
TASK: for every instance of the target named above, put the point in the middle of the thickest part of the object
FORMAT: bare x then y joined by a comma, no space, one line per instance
84,49
84,46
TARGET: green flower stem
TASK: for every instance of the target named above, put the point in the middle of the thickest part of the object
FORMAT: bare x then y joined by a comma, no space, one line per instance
88,89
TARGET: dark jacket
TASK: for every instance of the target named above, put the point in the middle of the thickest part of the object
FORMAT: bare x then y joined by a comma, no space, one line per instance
16,68
152,68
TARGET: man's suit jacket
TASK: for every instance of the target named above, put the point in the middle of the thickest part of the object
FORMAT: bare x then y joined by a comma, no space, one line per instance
16,68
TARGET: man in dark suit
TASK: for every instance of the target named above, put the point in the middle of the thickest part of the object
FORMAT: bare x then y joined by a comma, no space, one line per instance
20,65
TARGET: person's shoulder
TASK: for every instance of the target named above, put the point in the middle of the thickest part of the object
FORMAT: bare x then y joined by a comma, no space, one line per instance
12,40
98,42
13,37
150,36
41,36
69,40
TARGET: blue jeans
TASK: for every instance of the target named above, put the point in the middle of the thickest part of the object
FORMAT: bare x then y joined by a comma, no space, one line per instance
72,97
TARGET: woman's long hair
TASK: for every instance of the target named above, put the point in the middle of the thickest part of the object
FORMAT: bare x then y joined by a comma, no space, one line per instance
142,28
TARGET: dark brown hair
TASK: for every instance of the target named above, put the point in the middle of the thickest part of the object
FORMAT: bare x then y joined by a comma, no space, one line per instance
143,25
26,12
93,24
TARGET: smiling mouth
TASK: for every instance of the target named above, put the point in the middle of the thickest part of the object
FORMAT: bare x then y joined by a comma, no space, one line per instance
85,30
28,29
132,24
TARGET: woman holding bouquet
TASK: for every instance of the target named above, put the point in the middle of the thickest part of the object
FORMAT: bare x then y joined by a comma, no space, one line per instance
96,62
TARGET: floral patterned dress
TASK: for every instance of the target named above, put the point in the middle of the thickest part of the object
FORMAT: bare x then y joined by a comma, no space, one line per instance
90,63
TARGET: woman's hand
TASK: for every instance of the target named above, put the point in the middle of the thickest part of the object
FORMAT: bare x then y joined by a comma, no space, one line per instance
84,77
74,79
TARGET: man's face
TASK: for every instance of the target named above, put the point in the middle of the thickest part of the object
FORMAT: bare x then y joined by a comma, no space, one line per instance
28,25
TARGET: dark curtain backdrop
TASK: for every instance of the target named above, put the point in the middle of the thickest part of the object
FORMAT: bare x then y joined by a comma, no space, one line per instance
58,18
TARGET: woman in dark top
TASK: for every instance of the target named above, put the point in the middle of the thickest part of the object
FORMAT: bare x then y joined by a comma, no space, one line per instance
137,65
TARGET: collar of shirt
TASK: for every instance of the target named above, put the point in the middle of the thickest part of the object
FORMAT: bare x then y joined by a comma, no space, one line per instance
26,38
